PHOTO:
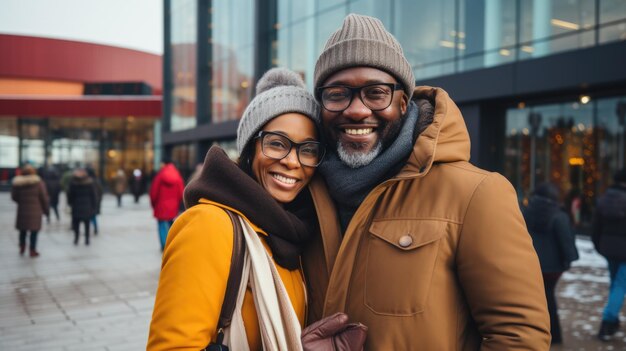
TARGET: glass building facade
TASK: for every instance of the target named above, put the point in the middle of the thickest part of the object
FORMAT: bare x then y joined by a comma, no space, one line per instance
105,144
480,51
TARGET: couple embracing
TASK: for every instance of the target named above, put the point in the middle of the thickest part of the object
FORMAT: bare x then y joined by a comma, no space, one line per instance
359,207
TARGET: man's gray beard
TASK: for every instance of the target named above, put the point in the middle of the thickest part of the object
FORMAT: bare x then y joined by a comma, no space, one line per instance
357,159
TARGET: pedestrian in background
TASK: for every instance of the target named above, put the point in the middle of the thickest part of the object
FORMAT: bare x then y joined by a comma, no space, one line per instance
29,192
119,185
138,184
52,179
554,241
83,199
99,191
609,239
166,195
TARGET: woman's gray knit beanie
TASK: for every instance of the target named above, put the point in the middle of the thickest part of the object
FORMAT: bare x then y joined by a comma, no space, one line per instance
279,91
364,41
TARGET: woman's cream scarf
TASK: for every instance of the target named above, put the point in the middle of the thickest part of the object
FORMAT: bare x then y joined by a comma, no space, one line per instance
278,323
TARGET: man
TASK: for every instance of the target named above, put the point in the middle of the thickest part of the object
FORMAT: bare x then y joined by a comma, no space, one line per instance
426,250
166,196
609,238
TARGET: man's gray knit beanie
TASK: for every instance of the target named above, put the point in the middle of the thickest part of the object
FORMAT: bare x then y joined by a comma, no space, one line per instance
279,91
364,41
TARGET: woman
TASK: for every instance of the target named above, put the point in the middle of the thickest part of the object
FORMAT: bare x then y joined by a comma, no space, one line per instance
29,192
553,240
279,150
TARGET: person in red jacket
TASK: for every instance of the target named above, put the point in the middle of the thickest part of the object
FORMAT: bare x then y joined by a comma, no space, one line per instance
166,195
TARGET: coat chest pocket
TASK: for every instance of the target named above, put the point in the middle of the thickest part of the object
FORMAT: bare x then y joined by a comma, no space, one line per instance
401,256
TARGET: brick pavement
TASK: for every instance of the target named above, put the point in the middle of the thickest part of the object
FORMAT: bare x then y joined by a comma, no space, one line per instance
100,297
96,297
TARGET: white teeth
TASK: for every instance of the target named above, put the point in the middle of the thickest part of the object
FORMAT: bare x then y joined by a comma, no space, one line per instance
361,131
284,179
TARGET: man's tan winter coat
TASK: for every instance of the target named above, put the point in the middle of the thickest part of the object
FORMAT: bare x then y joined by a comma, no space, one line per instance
436,258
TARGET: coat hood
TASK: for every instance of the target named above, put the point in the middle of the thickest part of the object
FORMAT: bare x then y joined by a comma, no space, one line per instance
22,180
169,174
443,135
80,177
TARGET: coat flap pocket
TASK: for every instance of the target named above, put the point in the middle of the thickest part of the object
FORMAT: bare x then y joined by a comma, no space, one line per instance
408,234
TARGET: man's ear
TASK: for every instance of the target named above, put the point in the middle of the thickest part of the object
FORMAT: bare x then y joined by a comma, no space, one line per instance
404,103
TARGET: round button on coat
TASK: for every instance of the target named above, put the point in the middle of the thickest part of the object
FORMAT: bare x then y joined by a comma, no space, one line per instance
405,241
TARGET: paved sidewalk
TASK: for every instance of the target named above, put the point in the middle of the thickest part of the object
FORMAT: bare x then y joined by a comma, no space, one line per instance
96,297
581,295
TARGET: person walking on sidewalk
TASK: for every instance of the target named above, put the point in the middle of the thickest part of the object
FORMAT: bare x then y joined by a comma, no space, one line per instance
138,184
554,241
52,179
166,196
82,197
118,184
99,191
609,239
29,192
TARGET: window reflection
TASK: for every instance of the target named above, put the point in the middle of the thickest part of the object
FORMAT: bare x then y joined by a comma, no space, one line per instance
453,35
573,145
613,26
232,61
183,56
184,157
428,37
9,143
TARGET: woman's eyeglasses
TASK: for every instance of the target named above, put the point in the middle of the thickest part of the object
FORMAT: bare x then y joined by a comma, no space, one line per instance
277,146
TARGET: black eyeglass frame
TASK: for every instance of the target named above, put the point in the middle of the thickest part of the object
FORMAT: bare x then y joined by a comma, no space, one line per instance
357,90
292,143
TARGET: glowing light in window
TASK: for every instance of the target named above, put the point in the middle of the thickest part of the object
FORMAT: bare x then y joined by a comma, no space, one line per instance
564,24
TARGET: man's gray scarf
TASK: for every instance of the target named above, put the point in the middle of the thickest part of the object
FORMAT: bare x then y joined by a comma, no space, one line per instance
349,186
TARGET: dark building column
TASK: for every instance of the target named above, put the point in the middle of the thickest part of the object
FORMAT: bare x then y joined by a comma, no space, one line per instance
486,123
471,114
204,57
167,68
202,147
265,34
20,142
474,34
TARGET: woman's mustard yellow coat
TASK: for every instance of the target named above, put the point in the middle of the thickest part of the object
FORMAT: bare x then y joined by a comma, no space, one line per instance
195,268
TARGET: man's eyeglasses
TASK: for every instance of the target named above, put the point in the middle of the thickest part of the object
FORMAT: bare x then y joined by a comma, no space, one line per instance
277,146
378,96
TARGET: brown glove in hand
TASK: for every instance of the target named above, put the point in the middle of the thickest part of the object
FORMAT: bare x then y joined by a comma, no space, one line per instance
334,333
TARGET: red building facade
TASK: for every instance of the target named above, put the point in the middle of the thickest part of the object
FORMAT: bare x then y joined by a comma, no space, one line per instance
66,104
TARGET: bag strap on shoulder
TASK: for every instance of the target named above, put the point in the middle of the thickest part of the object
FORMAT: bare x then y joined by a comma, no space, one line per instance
233,283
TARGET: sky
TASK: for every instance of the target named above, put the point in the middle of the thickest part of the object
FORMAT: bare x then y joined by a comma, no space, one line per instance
133,24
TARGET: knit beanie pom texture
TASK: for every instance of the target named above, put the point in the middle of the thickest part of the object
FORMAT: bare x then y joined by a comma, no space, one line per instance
278,77
279,91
